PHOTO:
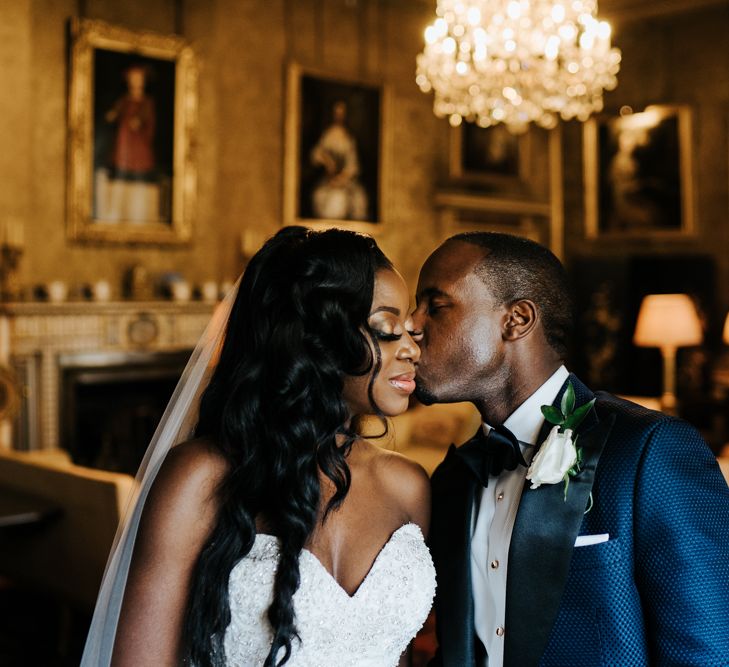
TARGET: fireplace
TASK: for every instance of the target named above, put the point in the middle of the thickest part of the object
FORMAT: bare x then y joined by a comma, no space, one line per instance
94,378
111,404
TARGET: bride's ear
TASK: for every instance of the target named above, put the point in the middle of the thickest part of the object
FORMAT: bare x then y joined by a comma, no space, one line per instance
521,318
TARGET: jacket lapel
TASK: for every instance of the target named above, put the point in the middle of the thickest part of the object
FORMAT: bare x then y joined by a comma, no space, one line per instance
454,488
542,542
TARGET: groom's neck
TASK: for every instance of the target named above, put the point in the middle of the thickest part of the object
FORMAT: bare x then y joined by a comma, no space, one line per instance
514,386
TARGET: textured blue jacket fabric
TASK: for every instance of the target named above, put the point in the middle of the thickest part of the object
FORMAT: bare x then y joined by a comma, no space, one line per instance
656,593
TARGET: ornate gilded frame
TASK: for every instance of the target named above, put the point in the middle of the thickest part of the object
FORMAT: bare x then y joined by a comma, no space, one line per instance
86,37
600,185
531,205
491,176
293,148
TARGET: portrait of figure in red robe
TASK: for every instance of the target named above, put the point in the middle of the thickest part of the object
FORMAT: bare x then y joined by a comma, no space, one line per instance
133,138
133,114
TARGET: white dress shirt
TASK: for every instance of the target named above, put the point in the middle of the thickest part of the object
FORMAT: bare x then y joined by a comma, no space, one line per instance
493,520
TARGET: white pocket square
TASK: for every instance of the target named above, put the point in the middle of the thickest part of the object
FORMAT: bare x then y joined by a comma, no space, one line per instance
587,540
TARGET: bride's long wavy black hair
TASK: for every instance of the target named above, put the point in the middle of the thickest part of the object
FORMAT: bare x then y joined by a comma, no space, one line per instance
274,409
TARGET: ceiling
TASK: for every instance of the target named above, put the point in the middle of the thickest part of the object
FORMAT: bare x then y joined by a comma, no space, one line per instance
627,10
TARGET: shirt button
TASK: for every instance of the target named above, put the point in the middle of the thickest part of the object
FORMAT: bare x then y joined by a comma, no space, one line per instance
499,631
494,564
500,497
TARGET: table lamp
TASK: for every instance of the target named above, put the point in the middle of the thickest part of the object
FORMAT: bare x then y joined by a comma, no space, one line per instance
668,321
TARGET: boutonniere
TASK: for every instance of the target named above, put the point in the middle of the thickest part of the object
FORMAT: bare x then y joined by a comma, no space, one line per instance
559,458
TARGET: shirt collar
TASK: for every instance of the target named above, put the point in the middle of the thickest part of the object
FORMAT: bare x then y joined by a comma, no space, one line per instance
526,421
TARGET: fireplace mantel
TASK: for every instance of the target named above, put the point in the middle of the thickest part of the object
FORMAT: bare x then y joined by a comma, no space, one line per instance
35,337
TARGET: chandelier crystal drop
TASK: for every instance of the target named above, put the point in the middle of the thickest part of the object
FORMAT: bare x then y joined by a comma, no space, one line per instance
517,61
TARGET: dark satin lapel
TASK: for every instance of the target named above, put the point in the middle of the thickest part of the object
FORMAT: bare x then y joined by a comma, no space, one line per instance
542,542
450,543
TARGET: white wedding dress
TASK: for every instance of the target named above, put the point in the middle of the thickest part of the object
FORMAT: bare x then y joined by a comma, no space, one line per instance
371,628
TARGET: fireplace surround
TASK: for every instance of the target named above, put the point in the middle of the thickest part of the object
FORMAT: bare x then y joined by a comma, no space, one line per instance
75,359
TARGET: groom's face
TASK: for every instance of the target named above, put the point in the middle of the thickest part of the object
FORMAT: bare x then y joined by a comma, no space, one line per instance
461,323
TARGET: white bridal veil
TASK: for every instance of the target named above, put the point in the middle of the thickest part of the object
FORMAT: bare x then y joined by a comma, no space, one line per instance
176,426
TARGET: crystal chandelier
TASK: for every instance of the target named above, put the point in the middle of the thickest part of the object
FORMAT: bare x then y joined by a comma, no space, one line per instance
517,61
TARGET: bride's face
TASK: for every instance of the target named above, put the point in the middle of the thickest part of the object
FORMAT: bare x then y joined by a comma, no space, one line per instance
390,325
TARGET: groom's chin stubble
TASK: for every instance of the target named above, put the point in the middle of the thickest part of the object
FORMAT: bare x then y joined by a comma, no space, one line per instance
423,395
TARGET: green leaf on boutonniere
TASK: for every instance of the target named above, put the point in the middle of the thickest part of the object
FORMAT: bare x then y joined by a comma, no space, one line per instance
568,400
567,418
553,415
575,419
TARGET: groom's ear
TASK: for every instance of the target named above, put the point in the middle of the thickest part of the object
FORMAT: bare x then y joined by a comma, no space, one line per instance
521,318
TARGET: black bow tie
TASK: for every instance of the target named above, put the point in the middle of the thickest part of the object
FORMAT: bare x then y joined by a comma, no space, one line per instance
490,454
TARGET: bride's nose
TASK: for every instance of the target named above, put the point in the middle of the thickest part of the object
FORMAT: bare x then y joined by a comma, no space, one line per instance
409,349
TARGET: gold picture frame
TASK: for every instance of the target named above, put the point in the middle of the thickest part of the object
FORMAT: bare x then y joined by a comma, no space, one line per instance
638,174
532,204
132,122
490,156
316,155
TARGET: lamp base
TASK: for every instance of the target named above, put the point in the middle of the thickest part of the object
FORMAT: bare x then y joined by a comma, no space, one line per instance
669,404
668,399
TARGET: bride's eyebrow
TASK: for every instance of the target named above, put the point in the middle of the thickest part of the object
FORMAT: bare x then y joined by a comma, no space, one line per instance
386,309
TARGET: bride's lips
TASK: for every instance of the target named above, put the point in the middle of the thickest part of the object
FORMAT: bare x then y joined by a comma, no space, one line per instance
404,382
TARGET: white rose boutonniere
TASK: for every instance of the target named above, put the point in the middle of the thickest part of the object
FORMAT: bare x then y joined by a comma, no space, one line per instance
554,458
559,457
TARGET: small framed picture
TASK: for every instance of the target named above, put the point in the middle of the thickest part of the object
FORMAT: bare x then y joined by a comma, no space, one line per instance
132,118
333,171
489,156
638,174
522,194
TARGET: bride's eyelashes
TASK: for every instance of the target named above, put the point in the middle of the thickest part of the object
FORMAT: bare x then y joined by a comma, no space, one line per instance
385,328
385,336
392,331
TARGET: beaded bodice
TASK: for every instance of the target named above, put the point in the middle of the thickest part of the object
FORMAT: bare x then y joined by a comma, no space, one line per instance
371,628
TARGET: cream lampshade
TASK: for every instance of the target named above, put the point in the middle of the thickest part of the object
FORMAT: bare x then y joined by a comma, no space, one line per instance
668,321
725,335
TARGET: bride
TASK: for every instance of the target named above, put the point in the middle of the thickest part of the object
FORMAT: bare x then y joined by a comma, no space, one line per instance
276,534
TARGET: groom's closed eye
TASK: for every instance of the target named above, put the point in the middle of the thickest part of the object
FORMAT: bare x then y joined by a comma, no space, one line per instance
435,306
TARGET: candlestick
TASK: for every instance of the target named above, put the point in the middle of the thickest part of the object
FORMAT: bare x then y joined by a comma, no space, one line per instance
9,259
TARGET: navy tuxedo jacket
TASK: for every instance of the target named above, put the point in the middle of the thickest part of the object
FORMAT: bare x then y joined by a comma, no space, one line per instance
657,593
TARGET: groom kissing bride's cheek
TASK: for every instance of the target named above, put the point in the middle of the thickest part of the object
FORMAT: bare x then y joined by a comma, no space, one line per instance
574,528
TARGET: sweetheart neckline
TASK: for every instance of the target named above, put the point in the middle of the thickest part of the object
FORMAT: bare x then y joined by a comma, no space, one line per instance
372,567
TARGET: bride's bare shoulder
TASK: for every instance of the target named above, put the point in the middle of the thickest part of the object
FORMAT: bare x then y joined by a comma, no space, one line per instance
404,481
198,456
187,482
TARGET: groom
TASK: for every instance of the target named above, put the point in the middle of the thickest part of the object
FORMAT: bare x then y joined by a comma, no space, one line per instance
628,564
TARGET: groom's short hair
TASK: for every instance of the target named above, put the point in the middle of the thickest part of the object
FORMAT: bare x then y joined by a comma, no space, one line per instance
517,268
